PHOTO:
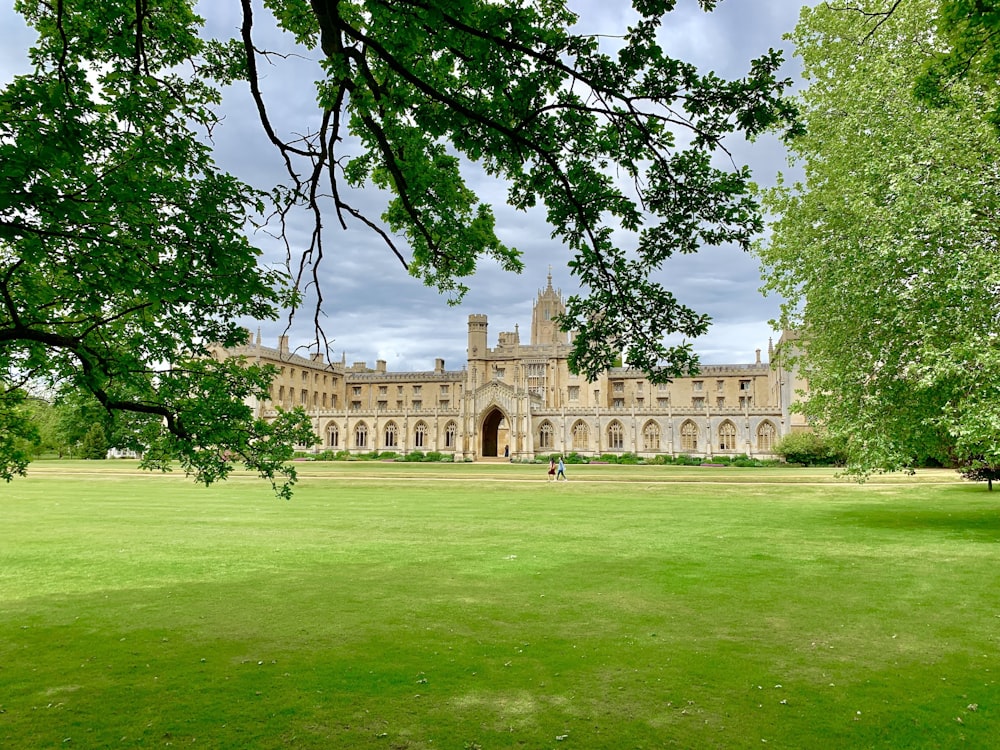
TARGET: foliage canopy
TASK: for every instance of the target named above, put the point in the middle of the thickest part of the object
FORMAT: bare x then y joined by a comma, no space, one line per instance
886,250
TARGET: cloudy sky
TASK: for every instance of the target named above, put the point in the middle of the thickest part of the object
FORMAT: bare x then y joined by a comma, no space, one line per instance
374,310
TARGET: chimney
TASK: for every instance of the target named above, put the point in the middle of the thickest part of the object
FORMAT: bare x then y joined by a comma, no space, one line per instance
438,365
758,356
283,344
380,365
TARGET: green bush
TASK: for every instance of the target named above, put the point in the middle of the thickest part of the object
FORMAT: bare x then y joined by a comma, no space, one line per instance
809,449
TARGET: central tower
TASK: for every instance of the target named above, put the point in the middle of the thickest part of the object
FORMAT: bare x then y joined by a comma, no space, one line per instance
548,305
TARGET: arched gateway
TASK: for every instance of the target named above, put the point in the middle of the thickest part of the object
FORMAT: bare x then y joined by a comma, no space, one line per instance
495,434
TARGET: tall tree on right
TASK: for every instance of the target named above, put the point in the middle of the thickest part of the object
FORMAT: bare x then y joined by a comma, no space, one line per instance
886,249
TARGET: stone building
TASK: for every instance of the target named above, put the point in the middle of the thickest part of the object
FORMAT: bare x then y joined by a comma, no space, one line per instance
519,400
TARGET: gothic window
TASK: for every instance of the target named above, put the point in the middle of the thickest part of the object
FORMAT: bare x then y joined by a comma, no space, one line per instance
333,436
698,402
765,436
581,436
573,392
689,436
450,433
545,435
391,435
361,435
651,436
727,436
616,436
420,435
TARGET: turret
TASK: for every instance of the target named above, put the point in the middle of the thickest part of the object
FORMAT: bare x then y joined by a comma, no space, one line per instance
477,336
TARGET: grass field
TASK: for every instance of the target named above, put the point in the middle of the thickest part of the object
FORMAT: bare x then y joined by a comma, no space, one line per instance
478,606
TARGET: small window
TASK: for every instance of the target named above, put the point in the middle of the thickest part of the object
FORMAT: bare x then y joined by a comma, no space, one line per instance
689,436
698,385
727,436
651,436
616,436
361,435
573,393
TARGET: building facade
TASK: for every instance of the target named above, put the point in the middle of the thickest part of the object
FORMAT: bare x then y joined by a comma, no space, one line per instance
519,400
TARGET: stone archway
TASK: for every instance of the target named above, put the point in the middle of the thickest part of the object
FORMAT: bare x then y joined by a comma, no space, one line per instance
495,434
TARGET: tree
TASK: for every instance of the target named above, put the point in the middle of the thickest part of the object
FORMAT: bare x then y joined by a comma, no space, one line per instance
886,250
106,167
510,86
94,445
970,30
122,247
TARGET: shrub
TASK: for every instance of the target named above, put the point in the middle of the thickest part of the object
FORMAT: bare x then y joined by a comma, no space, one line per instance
415,456
809,449
685,460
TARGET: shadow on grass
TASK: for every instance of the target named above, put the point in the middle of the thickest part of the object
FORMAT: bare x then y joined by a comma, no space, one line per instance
978,525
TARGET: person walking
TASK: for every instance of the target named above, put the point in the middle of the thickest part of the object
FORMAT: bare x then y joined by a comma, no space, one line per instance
561,472
552,469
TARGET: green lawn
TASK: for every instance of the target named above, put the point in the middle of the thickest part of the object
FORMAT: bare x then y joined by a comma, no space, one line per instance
478,606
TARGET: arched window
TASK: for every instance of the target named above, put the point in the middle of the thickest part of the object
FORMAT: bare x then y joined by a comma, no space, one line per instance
651,436
727,436
766,434
581,436
420,435
333,436
391,435
450,435
616,436
361,435
689,436
545,433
